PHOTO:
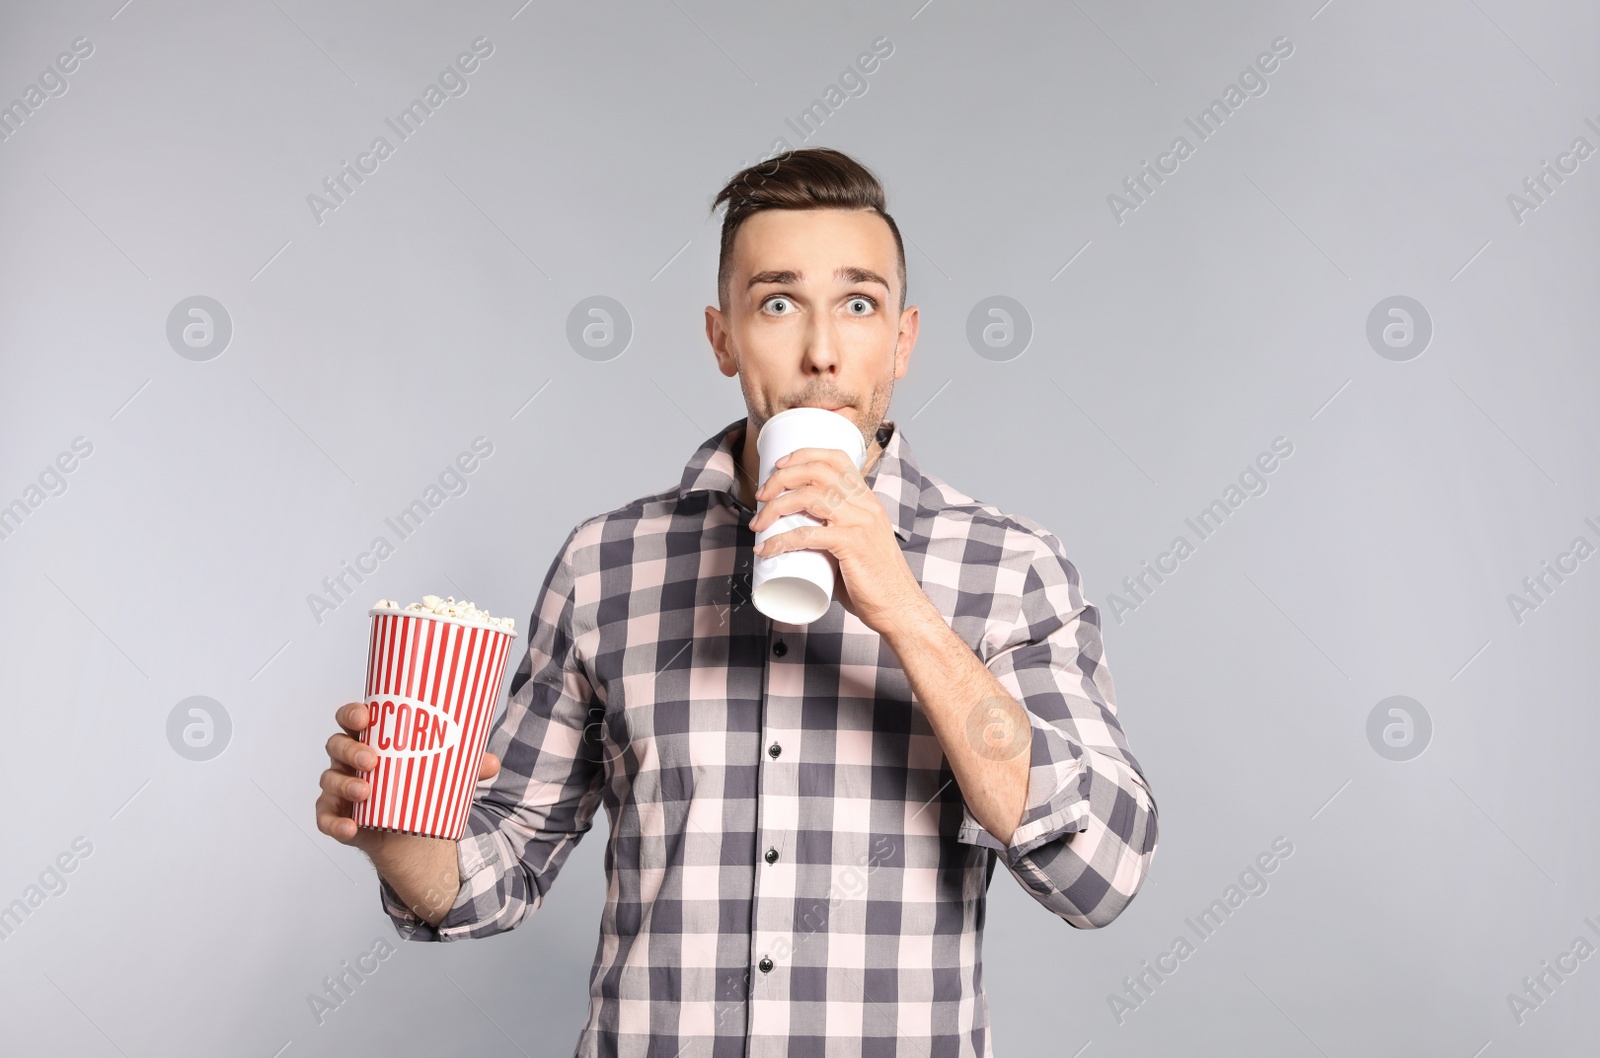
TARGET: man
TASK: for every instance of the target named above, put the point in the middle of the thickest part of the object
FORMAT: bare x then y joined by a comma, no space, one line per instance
804,820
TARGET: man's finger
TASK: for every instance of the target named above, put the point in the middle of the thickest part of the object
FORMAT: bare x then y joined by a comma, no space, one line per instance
346,787
832,456
342,829
804,537
789,478
342,749
353,717
812,500
333,819
489,767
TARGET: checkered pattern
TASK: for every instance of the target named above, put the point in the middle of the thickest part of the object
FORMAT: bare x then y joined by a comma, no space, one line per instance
791,869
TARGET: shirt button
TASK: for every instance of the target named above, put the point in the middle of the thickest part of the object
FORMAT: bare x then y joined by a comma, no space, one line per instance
779,648
765,964
772,855
773,750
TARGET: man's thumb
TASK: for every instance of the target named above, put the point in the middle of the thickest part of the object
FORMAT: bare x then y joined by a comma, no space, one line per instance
489,767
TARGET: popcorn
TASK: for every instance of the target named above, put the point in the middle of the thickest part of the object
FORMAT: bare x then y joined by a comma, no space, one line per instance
450,607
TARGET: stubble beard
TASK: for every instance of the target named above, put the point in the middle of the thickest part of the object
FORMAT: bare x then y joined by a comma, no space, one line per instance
758,411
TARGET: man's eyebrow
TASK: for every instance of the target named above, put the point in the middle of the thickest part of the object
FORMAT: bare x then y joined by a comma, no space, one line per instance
777,276
861,275
848,273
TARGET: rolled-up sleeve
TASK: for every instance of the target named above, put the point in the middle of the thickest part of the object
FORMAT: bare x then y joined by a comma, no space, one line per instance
1088,828
526,820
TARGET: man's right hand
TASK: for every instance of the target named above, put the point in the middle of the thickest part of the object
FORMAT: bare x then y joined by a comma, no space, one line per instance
422,870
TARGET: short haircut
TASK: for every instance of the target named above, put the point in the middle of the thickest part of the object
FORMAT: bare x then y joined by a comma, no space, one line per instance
810,178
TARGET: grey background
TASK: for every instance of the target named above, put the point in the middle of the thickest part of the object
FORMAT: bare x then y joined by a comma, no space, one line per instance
427,310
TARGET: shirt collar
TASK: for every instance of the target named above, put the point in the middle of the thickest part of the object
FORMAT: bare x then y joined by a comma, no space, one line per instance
894,477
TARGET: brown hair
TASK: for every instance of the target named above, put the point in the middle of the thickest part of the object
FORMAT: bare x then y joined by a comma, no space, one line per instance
810,178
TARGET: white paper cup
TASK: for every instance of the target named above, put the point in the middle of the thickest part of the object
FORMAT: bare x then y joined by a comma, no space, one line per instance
796,587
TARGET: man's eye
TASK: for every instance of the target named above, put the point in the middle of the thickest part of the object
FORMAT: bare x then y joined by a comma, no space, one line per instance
779,306
865,306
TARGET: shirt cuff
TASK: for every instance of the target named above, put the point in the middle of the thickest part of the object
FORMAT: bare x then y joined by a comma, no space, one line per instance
478,856
1057,804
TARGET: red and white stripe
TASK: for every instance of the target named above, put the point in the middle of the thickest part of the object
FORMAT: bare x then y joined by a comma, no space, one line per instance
456,669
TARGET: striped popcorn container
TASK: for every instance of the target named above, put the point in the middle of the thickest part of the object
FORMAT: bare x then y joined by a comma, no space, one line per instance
432,686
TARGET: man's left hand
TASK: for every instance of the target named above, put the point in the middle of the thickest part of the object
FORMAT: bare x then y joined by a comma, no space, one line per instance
825,484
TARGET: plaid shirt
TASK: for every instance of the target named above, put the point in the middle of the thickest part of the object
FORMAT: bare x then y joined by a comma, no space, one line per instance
790,866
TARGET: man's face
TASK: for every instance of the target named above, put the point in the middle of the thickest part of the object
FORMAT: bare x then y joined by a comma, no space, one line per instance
811,317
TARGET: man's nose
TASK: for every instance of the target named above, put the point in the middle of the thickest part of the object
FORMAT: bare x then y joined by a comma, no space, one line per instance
821,347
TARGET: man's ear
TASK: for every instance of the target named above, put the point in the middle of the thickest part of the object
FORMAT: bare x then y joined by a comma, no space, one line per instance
905,340
721,340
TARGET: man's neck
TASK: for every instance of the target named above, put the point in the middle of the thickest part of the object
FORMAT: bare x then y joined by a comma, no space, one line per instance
748,461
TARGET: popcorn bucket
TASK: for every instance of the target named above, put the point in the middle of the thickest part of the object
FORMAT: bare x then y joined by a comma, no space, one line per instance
432,686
